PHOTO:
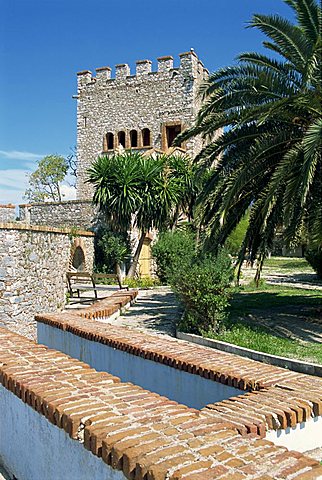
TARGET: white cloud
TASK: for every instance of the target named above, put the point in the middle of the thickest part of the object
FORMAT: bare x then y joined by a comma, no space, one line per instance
68,192
14,182
17,155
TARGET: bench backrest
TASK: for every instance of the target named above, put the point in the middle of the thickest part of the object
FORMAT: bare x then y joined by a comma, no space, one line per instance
86,277
79,277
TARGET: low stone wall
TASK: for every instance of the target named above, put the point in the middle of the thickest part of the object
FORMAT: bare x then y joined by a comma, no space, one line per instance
7,213
285,406
72,213
87,424
33,266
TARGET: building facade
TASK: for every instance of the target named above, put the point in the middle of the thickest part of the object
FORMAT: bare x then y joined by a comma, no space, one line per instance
142,111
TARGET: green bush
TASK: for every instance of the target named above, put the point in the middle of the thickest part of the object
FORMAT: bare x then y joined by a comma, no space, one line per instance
143,282
234,241
314,257
204,288
111,250
171,250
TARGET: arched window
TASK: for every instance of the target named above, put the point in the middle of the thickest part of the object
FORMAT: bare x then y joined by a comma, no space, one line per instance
121,138
78,261
134,138
109,141
146,137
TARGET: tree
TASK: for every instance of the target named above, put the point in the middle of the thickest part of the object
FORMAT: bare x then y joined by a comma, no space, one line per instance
135,191
268,156
44,182
111,250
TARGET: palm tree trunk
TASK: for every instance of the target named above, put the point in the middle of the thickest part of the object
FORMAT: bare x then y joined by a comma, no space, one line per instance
259,269
118,270
136,256
175,219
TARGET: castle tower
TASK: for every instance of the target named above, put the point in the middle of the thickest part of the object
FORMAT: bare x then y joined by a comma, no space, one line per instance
142,111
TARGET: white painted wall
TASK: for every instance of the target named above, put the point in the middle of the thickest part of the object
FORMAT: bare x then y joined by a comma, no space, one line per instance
183,387
303,437
31,448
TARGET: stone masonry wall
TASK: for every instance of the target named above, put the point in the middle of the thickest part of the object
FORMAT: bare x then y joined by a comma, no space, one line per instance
33,266
145,100
7,213
72,213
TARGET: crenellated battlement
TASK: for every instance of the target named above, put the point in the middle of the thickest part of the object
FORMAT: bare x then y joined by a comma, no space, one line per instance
190,65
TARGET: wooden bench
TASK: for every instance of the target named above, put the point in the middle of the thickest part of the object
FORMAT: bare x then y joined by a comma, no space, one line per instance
84,281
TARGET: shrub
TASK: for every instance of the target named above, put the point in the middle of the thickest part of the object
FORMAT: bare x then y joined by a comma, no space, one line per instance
234,241
143,282
171,250
204,287
111,250
314,257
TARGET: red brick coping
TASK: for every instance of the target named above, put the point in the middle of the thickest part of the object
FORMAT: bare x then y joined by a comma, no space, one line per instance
276,398
141,433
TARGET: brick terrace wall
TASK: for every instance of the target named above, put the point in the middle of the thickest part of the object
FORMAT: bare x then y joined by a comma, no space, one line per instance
33,266
145,100
278,399
133,431
73,213
193,391
7,213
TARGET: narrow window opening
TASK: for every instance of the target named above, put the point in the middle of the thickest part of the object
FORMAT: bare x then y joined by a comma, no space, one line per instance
146,137
171,133
121,139
134,138
109,141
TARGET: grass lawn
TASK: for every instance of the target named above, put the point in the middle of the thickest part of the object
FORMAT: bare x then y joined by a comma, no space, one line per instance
247,301
287,265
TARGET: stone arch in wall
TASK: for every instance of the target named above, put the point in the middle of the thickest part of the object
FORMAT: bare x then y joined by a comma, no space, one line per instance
133,138
121,137
146,137
108,141
77,261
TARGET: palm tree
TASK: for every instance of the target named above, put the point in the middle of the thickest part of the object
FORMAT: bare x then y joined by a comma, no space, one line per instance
267,158
135,191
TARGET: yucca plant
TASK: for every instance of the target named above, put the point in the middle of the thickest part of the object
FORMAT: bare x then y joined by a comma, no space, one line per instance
267,158
136,191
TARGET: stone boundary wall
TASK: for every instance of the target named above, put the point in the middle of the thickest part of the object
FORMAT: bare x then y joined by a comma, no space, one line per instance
276,398
134,431
33,265
72,213
7,213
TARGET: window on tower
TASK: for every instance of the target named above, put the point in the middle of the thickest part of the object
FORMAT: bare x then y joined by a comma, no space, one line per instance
108,141
133,138
146,137
121,138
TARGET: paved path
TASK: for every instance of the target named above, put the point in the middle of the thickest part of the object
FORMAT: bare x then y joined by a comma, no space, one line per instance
155,311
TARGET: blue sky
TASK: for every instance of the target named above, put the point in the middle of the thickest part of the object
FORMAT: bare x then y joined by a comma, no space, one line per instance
43,43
